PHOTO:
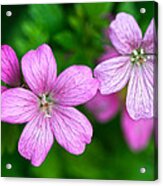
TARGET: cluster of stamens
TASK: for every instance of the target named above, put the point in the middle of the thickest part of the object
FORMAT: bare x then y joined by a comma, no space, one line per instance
138,56
46,104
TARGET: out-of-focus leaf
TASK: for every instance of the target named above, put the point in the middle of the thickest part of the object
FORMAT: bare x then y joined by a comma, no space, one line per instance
130,8
94,10
49,17
36,27
66,39
51,168
10,136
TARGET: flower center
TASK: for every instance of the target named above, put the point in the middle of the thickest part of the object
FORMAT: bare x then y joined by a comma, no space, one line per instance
138,56
46,104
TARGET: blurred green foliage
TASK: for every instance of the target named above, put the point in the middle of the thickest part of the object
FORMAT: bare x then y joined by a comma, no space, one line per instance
76,34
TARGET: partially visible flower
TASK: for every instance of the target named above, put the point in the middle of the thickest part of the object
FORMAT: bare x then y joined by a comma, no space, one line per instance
47,107
10,70
134,65
104,107
136,132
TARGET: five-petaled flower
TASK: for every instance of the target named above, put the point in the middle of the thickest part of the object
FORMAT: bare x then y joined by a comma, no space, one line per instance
47,107
137,133
134,65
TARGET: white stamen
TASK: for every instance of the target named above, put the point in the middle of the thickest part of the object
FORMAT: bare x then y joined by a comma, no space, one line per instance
135,52
141,51
47,116
44,99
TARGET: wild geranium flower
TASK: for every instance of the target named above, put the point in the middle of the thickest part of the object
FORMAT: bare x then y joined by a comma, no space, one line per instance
137,133
134,65
47,107
10,70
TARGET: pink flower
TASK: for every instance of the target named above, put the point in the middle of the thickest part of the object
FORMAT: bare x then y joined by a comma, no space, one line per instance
136,132
48,106
135,65
104,107
10,66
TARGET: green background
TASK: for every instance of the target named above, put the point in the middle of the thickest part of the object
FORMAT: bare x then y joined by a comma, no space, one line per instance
75,32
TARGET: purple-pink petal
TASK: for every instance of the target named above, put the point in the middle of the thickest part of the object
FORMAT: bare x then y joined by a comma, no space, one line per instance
71,129
10,66
149,43
3,88
18,105
140,100
125,33
113,74
104,107
75,86
156,131
39,69
36,140
137,133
